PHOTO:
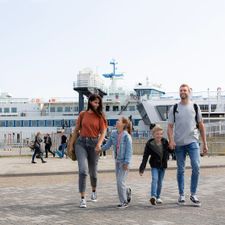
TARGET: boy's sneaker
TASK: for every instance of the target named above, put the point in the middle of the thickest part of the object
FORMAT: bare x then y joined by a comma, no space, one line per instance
122,205
181,200
195,200
153,200
93,197
159,201
83,203
128,195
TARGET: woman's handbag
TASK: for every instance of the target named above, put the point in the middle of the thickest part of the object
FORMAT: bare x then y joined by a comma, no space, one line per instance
72,141
71,147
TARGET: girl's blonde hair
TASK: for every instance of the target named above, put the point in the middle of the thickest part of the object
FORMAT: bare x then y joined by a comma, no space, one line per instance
156,128
127,124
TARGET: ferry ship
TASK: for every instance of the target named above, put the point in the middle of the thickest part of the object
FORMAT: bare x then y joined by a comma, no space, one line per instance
21,118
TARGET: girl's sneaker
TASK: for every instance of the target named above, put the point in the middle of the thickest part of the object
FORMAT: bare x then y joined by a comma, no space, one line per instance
83,203
128,195
122,205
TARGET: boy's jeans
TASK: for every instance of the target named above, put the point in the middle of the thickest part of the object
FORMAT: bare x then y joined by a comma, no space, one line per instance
157,179
193,151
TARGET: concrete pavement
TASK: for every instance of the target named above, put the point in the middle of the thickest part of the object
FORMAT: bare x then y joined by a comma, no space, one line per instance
21,166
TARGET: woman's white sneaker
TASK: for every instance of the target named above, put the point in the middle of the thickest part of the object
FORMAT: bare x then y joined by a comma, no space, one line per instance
83,203
159,201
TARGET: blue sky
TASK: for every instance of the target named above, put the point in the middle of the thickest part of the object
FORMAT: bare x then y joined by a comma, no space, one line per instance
44,43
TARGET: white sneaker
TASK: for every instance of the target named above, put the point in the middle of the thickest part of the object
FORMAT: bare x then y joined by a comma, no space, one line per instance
83,203
94,197
181,200
159,201
195,200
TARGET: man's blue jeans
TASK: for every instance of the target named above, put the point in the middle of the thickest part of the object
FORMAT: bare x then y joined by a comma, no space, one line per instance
193,150
157,179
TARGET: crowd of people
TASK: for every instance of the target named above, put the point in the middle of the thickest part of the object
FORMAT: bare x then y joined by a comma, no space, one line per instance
88,140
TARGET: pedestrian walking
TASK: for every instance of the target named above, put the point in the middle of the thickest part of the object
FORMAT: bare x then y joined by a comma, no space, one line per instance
37,148
91,126
122,146
158,150
184,124
48,145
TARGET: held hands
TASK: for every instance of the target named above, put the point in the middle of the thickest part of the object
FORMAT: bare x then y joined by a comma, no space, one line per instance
172,145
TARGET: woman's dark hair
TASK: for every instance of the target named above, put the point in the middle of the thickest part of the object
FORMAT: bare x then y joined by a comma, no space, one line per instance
97,111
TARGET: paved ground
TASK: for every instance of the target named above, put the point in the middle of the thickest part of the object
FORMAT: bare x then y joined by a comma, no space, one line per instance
47,194
54,200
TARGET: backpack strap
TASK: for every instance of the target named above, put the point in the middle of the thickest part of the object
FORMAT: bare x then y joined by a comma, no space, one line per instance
175,111
196,114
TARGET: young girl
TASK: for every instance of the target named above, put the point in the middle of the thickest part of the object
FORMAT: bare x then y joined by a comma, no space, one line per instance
157,147
122,146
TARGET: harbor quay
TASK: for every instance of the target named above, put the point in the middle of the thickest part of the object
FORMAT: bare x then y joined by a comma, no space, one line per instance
48,194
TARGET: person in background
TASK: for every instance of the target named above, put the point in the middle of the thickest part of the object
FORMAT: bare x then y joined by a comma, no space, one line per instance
61,151
48,144
157,149
122,145
37,148
183,136
91,127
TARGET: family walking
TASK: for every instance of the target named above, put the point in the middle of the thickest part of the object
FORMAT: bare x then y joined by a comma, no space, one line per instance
184,124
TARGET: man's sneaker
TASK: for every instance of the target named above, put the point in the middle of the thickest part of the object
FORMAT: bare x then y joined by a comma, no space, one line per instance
159,201
128,195
153,200
195,200
93,197
83,203
122,205
181,200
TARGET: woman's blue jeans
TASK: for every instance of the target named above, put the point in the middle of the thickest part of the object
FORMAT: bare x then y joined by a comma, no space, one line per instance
193,150
157,179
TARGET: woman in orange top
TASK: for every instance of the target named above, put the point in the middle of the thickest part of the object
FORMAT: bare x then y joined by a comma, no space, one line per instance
91,125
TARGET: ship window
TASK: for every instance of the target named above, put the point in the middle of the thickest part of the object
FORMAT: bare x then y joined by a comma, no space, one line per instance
132,108
18,123
49,123
6,110
163,111
123,108
41,123
14,110
57,123
107,108
52,109
213,107
10,123
72,123
33,123
25,123
204,108
115,108
76,109
0,110
67,109
3,123
59,109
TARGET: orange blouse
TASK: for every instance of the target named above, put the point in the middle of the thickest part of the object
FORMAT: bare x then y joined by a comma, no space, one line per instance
91,125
